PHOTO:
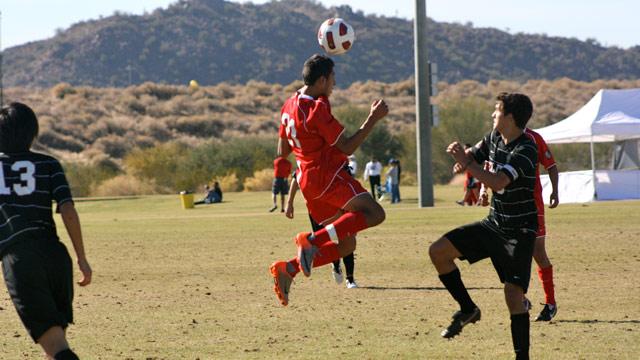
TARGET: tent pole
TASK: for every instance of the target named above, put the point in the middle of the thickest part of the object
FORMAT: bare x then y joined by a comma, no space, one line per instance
593,170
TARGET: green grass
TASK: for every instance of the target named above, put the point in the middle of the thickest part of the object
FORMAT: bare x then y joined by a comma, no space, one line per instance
172,283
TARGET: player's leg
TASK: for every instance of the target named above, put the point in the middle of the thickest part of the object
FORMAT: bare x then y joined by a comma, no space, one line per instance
55,345
512,259
349,267
519,320
545,272
274,195
358,211
282,196
467,242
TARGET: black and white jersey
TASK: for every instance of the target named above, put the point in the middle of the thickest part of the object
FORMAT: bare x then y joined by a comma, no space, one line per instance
29,182
513,208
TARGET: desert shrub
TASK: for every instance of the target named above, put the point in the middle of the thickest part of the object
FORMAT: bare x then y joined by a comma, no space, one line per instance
61,90
163,164
228,182
55,140
260,181
160,91
124,185
464,120
83,178
199,126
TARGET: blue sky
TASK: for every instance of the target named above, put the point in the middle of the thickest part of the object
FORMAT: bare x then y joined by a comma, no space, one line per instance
612,22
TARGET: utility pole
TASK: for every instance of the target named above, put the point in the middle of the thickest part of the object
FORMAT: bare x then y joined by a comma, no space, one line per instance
423,109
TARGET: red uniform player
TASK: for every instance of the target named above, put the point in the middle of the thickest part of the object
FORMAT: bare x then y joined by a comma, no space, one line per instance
333,197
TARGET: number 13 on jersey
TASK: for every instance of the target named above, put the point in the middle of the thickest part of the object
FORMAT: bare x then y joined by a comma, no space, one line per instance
27,170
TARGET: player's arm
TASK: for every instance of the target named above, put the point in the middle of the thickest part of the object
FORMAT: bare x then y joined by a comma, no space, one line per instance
293,189
349,144
72,223
496,182
284,149
553,177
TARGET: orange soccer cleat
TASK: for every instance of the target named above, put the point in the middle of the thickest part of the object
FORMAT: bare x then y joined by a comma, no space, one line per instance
306,252
282,281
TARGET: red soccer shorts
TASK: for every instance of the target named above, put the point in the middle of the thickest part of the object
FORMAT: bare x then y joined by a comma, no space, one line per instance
341,191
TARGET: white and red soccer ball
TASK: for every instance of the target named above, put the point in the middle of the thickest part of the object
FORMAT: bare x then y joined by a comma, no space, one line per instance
335,36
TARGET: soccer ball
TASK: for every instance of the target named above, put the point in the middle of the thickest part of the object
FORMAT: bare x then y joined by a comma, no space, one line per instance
335,36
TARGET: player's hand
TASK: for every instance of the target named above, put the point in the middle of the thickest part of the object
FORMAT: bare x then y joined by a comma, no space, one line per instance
553,200
288,211
85,268
457,168
483,199
379,109
457,152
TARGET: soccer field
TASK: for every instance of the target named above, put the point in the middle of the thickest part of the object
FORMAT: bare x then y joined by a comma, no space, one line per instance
172,284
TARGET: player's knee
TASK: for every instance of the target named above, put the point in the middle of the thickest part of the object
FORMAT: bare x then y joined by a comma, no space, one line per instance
437,249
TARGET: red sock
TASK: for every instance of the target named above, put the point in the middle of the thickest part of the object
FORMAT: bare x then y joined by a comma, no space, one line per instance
546,277
296,266
327,252
346,225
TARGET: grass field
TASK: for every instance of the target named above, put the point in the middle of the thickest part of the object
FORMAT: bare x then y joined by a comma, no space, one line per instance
172,284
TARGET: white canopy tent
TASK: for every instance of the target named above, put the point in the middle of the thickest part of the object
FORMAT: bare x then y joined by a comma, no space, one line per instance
611,115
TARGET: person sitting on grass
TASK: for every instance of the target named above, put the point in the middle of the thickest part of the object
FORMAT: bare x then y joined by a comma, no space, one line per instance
212,196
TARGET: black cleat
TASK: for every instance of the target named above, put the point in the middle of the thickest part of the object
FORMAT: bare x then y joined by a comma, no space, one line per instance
547,313
460,320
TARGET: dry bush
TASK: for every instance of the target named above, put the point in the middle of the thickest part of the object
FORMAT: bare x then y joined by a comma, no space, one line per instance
228,183
124,185
408,179
260,181
62,89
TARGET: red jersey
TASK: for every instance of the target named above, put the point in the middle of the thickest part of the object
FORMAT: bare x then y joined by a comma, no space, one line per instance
281,168
545,158
307,124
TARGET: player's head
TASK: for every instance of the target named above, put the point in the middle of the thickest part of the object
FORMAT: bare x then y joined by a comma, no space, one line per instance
318,72
18,128
515,106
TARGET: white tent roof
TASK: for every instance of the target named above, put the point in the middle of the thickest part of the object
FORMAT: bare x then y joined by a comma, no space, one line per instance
611,115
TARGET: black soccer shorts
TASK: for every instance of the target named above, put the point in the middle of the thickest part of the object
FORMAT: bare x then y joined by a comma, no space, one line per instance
510,253
39,276
280,186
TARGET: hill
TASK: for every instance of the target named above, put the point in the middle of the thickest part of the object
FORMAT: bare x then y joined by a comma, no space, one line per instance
217,41
82,123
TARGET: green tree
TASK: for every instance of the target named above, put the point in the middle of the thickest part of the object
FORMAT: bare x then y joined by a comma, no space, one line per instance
464,120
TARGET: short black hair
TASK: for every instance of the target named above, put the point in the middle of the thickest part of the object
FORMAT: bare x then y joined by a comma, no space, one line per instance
316,67
518,105
18,128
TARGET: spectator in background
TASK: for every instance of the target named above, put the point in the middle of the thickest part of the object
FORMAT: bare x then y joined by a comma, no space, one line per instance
353,165
372,172
211,196
392,181
281,171
399,177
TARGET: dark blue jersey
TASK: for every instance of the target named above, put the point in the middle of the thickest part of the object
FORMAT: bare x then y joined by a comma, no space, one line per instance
29,183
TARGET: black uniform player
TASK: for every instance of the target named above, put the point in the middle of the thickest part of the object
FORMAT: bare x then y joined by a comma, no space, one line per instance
507,235
36,265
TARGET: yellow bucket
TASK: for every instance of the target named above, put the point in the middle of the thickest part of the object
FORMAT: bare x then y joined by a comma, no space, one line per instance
186,199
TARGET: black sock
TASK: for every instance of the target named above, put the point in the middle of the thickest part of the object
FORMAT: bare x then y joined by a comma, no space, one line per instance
66,355
520,335
349,265
453,282
336,265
